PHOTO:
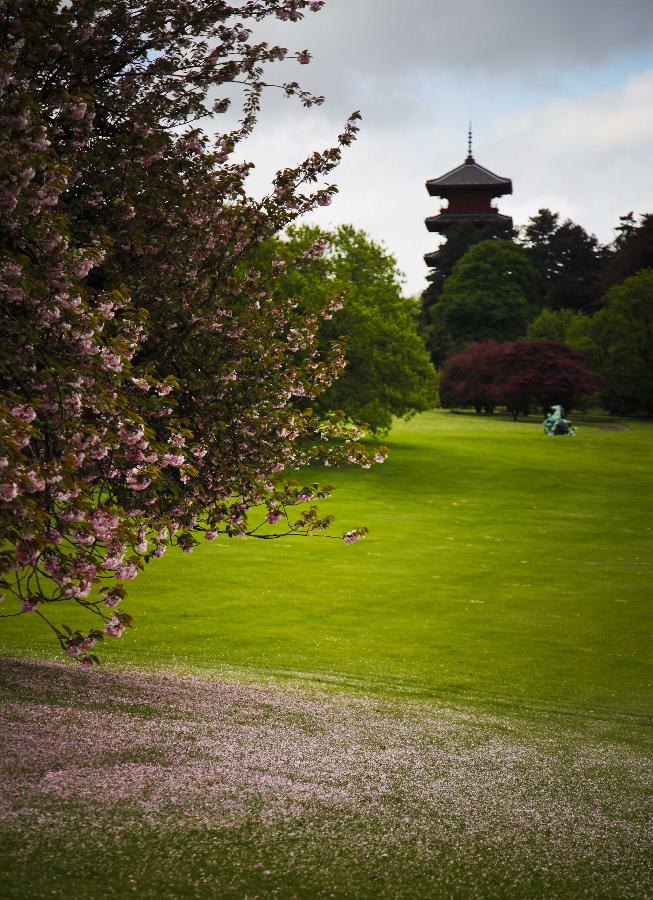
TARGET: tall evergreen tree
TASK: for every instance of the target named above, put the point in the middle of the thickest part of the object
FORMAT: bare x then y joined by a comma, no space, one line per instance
633,249
569,261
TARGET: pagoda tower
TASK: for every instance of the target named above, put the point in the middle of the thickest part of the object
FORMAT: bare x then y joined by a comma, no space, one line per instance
470,189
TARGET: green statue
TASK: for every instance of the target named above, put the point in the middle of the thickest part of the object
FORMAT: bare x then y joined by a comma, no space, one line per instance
556,424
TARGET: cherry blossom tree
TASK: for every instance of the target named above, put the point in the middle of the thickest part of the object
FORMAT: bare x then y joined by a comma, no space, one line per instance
147,370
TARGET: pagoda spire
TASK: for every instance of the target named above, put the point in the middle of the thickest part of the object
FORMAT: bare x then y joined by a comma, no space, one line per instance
470,158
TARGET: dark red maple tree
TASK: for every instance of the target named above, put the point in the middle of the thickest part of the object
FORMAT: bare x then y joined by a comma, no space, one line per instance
519,375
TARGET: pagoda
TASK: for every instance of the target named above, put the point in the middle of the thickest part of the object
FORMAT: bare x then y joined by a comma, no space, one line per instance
470,189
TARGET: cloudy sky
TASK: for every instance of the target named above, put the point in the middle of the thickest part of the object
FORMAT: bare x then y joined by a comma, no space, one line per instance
560,93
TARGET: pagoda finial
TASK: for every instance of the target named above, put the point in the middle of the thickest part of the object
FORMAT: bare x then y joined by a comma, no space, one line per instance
470,158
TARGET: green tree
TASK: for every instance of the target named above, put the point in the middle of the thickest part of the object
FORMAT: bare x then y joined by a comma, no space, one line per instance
626,227
619,341
387,368
492,293
460,238
552,324
633,249
568,259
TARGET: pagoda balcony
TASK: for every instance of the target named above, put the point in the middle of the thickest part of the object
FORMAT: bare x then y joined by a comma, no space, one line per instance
450,217
468,210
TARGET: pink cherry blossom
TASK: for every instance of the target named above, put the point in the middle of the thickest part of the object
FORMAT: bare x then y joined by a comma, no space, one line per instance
24,412
78,110
137,480
173,459
111,361
114,628
8,490
112,599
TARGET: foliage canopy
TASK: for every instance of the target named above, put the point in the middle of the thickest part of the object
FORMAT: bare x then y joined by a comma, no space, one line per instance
619,341
568,260
553,324
491,294
633,249
387,371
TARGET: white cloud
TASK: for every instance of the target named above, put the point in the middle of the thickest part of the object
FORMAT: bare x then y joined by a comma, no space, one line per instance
527,73
587,157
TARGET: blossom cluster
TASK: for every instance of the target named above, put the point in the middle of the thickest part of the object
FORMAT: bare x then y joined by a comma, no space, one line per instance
152,385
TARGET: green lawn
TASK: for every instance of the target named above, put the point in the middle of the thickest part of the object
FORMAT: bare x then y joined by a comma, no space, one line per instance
501,565
458,706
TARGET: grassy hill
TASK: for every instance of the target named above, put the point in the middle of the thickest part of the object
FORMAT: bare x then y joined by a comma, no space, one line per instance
458,706
501,565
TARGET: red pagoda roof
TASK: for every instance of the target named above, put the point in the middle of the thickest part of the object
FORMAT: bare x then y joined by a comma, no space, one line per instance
469,175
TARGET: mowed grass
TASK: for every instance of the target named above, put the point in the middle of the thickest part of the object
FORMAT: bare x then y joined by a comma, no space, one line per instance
502,567
458,706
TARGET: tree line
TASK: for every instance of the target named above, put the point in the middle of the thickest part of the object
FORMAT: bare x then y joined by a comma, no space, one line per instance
548,282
